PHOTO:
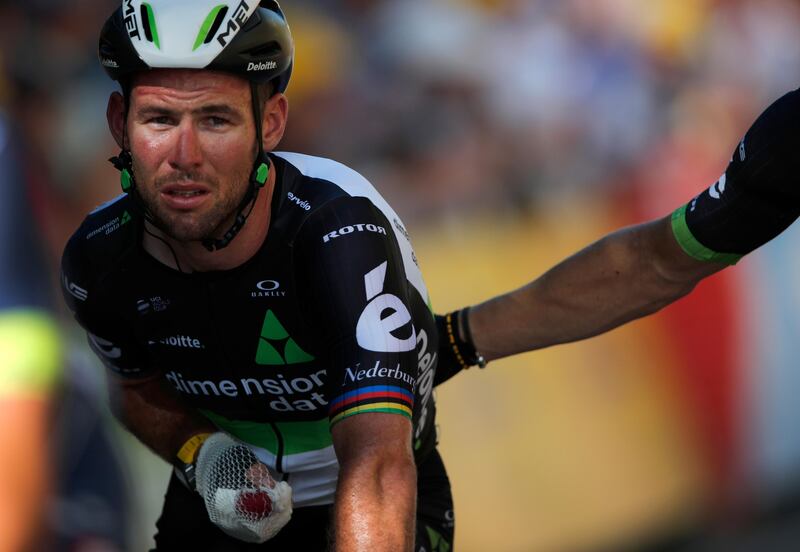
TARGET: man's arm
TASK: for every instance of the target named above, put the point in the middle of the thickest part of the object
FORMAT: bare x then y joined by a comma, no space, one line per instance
626,275
357,296
636,271
154,414
376,494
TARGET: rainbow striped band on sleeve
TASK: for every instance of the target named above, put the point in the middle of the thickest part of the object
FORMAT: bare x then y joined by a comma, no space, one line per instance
376,398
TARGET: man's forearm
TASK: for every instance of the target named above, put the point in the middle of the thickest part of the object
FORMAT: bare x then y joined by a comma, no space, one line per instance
376,495
375,508
626,275
155,415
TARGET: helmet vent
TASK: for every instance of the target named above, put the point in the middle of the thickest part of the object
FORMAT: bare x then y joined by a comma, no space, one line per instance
268,49
210,26
149,24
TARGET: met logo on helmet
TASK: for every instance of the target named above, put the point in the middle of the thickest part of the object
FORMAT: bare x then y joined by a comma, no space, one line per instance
263,66
131,24
234,23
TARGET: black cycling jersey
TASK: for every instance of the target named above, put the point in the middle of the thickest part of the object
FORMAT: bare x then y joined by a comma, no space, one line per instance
756,198
329,319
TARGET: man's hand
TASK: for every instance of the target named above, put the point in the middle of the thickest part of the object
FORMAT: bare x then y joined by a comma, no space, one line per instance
241,496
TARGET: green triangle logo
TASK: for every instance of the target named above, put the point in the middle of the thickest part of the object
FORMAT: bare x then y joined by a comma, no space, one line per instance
272,328
438,543
275,337
126,218
294,354
267,354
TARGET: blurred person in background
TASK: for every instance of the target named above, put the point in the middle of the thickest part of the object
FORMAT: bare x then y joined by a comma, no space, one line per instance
30,363
62,485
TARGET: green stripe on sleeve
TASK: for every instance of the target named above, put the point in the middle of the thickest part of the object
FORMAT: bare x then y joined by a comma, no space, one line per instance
30,352
694,248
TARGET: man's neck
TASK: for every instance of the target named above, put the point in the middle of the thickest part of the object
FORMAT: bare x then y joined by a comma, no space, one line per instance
194,257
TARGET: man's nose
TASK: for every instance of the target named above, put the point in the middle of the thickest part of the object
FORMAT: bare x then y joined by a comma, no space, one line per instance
187,153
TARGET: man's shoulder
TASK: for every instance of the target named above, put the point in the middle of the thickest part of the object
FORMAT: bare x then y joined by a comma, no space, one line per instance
318,185
324,179
105,234
322,168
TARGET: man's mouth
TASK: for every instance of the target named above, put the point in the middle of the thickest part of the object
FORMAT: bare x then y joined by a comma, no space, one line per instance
185,193
184,197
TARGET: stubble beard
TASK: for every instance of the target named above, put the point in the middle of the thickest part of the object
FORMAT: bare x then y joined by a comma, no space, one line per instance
195,226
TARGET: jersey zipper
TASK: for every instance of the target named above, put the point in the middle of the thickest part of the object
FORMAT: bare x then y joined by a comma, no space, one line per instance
279,453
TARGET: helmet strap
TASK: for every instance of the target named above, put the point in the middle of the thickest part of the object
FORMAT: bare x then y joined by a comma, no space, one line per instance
258,177
124,162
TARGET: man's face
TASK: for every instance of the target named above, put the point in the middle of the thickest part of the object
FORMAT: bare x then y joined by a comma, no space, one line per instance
192,138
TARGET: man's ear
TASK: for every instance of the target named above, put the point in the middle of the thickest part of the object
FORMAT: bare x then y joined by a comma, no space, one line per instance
115,113
273,124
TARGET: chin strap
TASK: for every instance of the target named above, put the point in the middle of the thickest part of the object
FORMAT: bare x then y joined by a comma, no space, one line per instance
258,177
257,180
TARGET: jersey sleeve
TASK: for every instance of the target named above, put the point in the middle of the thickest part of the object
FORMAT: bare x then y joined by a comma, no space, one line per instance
90,298
756,198
352,280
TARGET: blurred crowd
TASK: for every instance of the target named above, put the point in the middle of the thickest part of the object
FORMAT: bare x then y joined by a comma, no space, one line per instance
447,105
450,107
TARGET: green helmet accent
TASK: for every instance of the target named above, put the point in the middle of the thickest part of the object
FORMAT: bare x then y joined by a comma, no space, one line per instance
209,27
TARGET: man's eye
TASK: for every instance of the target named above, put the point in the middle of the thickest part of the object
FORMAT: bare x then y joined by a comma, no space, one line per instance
160,120
217,121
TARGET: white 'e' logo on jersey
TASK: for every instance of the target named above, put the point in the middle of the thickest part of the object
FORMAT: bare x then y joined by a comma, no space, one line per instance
373,332
718,187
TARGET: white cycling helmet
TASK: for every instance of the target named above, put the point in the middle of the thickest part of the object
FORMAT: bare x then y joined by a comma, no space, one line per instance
249,38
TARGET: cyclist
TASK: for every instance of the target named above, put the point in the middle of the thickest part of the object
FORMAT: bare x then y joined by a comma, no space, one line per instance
638,270
271,297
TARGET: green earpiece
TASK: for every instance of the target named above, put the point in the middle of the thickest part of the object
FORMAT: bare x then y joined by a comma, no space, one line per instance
126,180
261,174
